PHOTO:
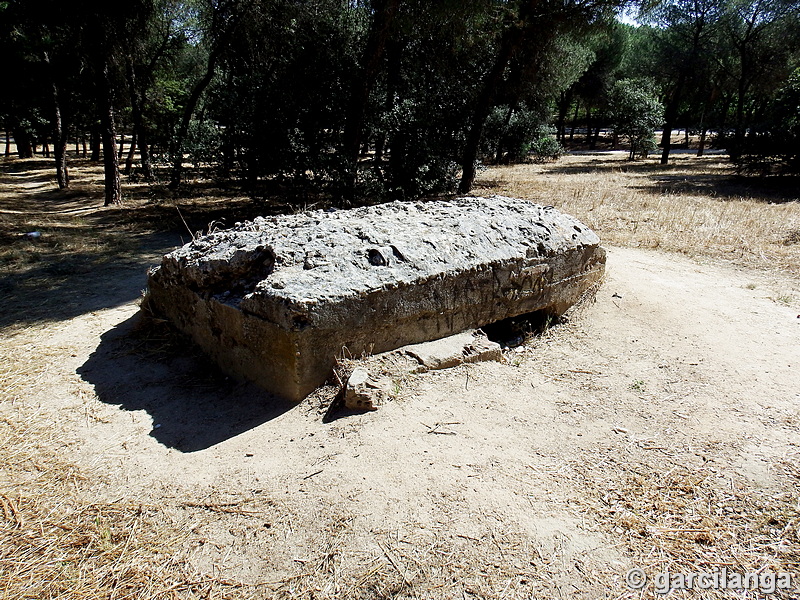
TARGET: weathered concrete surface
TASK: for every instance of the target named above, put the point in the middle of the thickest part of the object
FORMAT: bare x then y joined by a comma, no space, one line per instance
277,299
370,384
466,347
364,391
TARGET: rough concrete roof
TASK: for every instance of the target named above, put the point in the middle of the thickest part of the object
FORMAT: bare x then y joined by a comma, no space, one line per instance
323,256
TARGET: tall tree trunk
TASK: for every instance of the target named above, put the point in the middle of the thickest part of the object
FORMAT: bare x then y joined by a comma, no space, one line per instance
509,44
588,126
743,88
384,12
59,133
113,189
701,147
670,113
574,122
564,101
139,128
24,143
95,143
188,111
131,152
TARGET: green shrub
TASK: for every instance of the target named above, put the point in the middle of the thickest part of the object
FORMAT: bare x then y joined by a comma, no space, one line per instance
545,148
773,146
635,113
510,135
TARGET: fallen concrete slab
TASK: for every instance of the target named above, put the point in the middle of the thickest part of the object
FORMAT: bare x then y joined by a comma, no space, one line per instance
276,300
371,384
466,347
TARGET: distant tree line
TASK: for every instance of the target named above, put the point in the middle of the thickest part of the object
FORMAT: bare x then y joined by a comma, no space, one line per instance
390,98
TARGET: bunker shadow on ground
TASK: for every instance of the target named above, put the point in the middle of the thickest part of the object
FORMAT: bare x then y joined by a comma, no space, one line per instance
142,364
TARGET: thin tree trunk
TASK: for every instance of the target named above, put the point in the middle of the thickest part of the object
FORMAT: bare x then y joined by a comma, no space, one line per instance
113,189
509,44
574,122
669,120
60,152
742,89
131,152
59,134
24,143
384,12
94,143
588,126
139,129
563,107
702,146
666,141
183,128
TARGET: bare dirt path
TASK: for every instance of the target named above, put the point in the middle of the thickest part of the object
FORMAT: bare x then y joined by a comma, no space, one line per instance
675,364
657,428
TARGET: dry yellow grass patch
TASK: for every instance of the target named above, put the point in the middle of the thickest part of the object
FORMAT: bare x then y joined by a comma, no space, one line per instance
694,206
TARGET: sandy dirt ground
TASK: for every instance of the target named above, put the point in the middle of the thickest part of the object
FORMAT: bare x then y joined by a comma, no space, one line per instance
487,463
640,433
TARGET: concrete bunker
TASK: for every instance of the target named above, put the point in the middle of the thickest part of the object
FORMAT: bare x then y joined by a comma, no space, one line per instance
276,300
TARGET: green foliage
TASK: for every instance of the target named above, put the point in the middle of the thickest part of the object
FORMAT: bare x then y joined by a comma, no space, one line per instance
203,142
509,134
635,113
546,147
394,99
773,147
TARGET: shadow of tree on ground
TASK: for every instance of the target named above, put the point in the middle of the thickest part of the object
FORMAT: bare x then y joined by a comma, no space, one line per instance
711,176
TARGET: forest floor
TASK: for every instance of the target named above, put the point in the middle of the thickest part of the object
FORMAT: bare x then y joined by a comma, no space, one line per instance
657,428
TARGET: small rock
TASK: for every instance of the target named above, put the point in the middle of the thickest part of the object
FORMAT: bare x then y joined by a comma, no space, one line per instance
365,392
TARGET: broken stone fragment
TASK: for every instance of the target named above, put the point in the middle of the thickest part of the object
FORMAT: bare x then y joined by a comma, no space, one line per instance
276,300
466,347
366,392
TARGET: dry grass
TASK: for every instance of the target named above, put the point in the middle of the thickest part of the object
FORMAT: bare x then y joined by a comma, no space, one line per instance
60,539
695,206
55,541
675,515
